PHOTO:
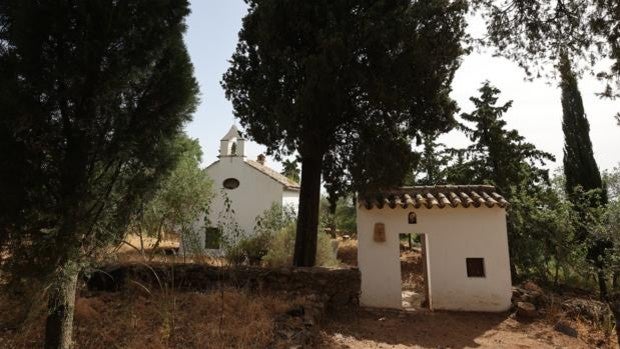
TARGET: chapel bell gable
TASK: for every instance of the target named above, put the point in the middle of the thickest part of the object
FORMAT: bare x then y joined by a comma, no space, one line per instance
232,144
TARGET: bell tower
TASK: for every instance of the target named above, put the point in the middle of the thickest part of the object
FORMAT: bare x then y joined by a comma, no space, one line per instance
233,144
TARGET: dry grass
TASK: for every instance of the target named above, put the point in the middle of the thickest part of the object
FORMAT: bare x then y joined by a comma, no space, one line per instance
163,253
221,319
347,251
595,333
127,257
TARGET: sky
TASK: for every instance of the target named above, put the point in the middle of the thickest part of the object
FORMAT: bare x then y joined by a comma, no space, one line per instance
536,112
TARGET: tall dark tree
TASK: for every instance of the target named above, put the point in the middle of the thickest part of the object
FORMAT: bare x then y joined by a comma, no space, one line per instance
352,79
499,155
434,160
580,168
92,95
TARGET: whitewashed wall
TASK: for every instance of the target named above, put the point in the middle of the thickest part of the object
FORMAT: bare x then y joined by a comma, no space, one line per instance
452,235
255,194
290,198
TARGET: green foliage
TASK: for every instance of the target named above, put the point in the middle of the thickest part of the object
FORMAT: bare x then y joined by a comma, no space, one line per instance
580,168
611,180
230,231
89,124
280,253
344,217
182,198
503,158
345,85
543,227
213,238
274,219
497,155
546,243
536,33
93,95
433,166
253,248
281,248
290,170
273,240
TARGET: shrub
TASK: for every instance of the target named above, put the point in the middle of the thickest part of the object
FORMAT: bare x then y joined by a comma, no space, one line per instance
282,245
252,249
273,242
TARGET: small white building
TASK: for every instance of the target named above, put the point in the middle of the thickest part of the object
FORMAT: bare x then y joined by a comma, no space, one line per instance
464,241
250,186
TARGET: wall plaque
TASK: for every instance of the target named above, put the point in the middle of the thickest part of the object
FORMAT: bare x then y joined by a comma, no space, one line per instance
379,233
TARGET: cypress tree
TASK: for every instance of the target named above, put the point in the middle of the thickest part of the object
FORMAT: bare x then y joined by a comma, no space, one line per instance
580,168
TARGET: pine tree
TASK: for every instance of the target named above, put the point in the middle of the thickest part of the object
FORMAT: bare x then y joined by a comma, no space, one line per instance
580,168
502,157
434,159
498,155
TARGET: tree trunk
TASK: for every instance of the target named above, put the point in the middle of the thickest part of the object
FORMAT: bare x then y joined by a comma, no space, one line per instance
602,283
308,215
614,305
61,302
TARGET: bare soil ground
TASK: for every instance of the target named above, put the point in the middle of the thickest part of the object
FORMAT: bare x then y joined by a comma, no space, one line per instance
420,328
228,318
424,329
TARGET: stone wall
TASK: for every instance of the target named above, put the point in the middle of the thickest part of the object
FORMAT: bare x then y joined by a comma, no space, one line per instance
337,287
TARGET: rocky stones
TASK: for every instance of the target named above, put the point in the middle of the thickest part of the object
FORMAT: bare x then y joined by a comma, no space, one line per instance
526,310
531,293
564,327
528,299
297,327
335,287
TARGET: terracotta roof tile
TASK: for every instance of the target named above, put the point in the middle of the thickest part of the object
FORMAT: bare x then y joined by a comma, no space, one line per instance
289,184
435,196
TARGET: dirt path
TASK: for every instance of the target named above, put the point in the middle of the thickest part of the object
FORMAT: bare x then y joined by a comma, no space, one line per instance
390,329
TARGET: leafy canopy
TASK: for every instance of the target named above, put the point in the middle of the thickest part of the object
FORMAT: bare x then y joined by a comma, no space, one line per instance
93,95
349,79
181,198
536,33
346,85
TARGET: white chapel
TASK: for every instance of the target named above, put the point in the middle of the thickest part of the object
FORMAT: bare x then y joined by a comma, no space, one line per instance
250,186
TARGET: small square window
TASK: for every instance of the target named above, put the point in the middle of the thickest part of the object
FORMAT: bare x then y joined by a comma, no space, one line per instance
475,267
